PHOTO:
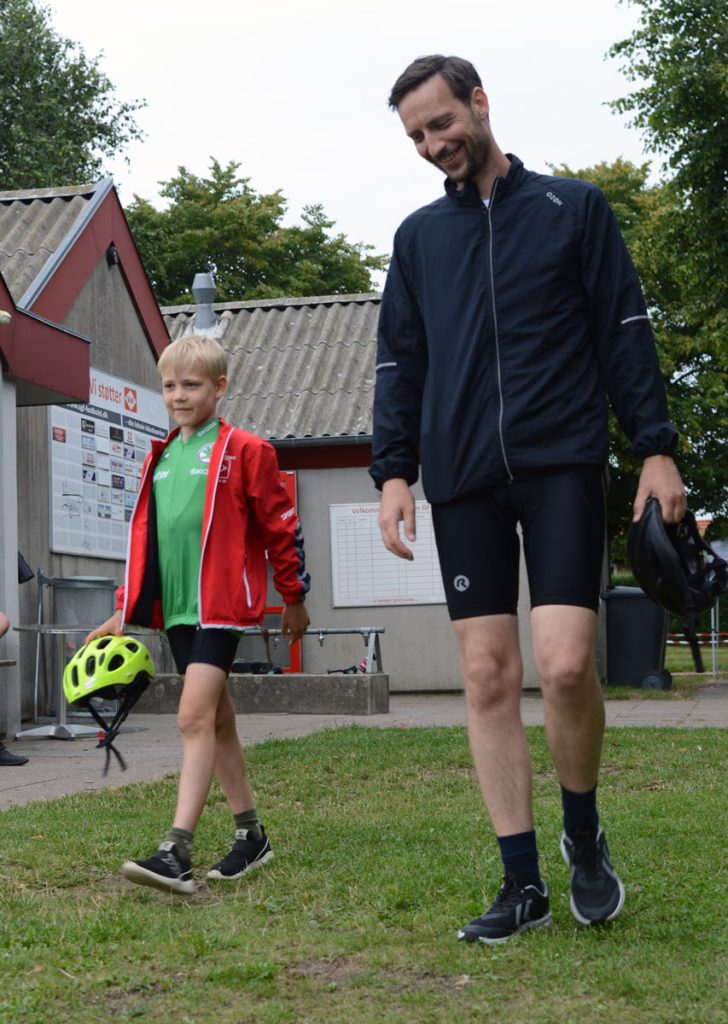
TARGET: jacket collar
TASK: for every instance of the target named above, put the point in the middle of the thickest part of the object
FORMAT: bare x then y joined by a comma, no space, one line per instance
469,195
158,445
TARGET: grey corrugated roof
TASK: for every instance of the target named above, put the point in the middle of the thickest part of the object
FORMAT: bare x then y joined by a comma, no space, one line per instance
36,226
300,368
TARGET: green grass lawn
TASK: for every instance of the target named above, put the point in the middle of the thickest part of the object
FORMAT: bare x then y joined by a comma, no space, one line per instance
679,659
382,850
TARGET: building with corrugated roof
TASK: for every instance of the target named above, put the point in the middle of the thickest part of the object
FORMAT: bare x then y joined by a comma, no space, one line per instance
83,312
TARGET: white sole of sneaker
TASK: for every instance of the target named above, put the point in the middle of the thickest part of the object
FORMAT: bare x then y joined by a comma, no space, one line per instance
217,876
134,872
543,922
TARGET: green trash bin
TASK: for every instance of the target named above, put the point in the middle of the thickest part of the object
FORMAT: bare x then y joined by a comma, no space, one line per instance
636,638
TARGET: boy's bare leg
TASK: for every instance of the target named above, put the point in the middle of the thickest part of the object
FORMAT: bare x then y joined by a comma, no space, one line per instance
230,767
196,719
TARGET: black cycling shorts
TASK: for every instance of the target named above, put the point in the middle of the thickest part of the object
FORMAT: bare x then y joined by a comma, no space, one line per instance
207,646
563,523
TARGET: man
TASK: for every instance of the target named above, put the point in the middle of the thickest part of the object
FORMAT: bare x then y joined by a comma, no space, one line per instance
511,312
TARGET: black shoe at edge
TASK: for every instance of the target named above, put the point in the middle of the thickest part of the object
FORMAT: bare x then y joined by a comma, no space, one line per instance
9,759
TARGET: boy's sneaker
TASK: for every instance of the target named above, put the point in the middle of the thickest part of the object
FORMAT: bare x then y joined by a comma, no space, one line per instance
515,908
597,894
164,870
248,854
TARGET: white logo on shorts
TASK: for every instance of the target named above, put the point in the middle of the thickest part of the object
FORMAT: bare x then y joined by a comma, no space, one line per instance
461,583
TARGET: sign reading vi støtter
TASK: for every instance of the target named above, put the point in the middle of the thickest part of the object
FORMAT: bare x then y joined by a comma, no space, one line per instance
96,456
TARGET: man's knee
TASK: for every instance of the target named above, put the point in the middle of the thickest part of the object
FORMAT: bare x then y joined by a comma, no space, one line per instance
567,674
492,681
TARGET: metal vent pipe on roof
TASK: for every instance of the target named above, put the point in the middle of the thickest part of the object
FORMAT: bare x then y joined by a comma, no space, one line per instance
203,291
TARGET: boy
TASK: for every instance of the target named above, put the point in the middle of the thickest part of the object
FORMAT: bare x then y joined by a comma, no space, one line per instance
210,506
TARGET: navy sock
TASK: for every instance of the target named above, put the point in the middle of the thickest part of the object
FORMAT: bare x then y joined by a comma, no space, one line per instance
580,811
520,857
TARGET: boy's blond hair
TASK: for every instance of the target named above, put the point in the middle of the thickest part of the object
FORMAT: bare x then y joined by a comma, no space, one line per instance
194,350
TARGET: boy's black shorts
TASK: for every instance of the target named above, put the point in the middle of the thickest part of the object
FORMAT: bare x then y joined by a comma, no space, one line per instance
563,523
209,646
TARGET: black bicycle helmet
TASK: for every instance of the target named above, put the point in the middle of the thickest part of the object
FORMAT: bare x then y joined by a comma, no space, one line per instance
673,564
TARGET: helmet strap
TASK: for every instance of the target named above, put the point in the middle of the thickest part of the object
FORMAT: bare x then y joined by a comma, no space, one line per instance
111,730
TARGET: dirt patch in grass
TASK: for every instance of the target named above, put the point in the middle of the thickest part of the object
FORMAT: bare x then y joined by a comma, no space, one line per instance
346,969
339,969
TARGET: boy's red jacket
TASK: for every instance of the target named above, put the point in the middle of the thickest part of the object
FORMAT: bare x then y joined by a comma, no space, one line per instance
247,513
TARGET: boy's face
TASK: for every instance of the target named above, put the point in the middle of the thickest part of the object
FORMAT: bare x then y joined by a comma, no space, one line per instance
191,396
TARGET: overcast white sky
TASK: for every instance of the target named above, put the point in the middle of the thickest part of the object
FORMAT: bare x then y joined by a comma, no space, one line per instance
295,91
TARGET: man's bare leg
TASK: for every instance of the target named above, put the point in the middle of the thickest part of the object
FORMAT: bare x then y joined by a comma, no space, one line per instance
492,673
564,648
564,639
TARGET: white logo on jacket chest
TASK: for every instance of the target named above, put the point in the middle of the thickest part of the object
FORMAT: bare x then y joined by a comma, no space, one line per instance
554,199
225,469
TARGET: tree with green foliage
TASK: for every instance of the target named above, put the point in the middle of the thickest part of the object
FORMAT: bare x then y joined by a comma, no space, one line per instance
679,58
221,225
693,364
58,115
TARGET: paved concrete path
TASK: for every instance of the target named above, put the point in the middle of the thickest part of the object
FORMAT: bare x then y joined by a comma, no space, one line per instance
152,745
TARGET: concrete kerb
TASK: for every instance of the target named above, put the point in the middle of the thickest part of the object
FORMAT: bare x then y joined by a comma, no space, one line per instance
151,744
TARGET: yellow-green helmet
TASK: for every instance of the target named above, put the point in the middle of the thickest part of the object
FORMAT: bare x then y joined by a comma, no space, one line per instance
105,667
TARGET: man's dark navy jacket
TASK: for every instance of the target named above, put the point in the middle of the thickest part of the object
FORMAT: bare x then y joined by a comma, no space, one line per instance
503,330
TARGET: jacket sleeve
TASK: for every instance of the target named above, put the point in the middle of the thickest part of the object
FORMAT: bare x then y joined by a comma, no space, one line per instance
400,378
277,523
622,334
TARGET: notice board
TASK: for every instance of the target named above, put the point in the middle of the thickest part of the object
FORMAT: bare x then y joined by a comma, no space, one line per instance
364,573
96,455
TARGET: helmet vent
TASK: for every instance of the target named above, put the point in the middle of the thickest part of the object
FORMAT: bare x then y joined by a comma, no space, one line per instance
115,661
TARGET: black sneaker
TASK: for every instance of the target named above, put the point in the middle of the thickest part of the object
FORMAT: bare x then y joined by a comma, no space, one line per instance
7,758
247,855
597,894
164,870
515,908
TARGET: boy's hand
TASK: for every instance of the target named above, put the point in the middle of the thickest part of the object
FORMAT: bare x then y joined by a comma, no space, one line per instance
294,621
112,625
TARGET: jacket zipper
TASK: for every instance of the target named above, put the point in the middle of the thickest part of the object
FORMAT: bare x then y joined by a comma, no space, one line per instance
488,210
207,531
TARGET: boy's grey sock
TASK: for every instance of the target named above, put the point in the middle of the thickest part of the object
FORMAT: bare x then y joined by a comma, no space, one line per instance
249,820
183,840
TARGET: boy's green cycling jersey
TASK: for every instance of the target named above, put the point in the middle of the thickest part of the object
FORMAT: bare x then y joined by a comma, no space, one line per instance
180,481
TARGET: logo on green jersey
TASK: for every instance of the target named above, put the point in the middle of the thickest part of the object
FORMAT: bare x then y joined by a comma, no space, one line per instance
205,453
